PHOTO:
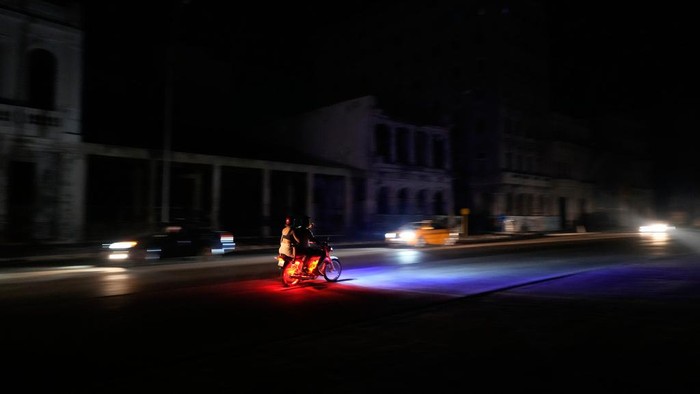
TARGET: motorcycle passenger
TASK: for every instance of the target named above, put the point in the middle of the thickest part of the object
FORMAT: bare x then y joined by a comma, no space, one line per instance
306,241
287,241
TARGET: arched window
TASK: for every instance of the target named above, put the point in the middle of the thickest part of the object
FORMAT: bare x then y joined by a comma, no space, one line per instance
421,149
438,152
421,202
383,201
382,143
438,204
42,79
403,201
403,149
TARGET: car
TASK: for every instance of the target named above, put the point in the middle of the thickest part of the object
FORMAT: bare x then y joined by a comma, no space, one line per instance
171,242
422,233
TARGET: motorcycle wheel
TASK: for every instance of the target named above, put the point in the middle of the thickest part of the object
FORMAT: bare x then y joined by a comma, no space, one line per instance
288,271
332,270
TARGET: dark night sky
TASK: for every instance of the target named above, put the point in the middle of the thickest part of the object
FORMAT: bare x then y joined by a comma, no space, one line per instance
626,57
605,58
258,50
631,58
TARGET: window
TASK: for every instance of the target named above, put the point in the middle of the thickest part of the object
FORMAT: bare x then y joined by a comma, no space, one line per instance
421,201
383,201
520,204
438,153
42,79
403,202
421,146
403,148
382,141
438,204
510,209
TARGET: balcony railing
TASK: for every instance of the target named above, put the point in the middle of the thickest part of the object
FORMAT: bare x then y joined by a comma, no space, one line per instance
29,122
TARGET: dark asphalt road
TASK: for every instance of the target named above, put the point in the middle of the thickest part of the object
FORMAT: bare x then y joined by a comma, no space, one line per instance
638,336
638,332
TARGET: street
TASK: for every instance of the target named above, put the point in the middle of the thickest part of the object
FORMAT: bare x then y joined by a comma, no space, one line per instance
602,314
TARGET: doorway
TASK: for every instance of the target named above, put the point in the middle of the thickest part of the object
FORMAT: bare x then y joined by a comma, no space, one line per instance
21,190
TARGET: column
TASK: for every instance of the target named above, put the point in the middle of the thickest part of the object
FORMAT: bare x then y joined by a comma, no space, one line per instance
215,196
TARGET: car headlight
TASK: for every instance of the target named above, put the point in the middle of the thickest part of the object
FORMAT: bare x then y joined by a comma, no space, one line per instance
655,228
122,245
407,235
390,235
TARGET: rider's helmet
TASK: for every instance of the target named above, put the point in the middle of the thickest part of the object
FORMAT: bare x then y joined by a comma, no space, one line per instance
305,221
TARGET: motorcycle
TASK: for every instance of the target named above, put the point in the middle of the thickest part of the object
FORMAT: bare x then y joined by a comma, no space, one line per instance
295,271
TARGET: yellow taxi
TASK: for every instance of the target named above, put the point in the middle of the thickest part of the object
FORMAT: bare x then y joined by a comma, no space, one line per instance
422,233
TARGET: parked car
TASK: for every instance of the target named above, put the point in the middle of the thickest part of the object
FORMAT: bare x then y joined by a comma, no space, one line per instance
422,233
172,241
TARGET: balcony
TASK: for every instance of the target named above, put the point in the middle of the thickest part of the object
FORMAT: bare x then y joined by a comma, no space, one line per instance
30,122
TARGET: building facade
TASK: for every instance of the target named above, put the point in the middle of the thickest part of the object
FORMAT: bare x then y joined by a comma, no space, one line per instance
424,123
405,169
481,69
41,168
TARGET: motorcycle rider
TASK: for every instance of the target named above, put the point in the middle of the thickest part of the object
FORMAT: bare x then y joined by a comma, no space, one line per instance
287,241
306,241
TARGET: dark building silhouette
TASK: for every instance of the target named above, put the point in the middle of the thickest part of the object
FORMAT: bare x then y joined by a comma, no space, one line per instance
220,86
482,70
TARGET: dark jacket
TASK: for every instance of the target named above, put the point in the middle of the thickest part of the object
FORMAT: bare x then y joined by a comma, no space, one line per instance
304,238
